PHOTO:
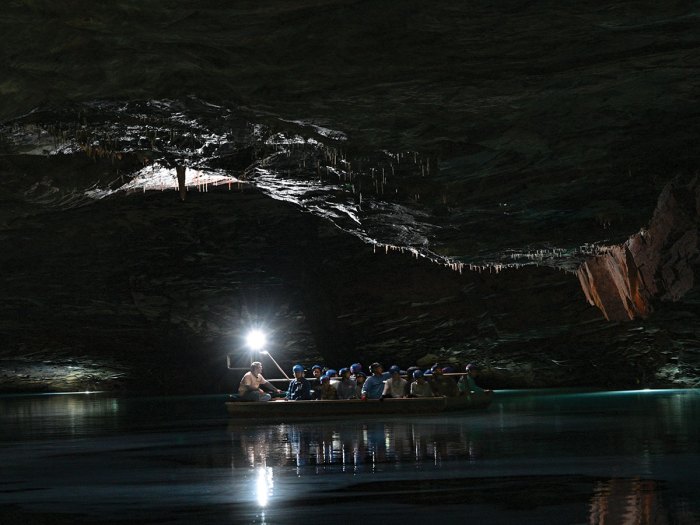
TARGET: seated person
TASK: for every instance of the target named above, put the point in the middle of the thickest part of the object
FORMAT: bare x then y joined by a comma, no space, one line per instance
346,387
299,387
467,383
333,374
252,385
373,387
419,386
356,368
317,372
442,385
409,379
359,381
327,390
395,386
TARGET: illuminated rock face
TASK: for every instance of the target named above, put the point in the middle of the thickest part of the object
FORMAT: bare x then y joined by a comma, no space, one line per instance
612,283
657,263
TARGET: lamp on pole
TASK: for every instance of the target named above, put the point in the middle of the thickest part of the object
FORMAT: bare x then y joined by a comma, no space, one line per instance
256,341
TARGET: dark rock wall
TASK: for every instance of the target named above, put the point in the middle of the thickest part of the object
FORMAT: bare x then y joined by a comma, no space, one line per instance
142,292
483,133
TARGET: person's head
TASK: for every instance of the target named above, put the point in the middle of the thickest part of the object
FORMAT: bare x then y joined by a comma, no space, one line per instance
325,381
395,371
360,377
298,371
418,375
436,370
472,369
355,368
317,371
344,373
331,373
256,367
376,368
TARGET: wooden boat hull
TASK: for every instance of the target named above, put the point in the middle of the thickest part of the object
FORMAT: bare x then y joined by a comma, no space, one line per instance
322,408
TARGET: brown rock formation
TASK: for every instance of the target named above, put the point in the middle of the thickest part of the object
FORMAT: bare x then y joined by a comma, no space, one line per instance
657,263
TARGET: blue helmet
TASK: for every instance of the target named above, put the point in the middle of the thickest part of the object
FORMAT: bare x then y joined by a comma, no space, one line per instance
297,368
331,373
343,371
394,369
417,374
355,368
317,366
325,378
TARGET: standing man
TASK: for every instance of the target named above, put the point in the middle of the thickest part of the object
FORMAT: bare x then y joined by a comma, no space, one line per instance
253,383
374,386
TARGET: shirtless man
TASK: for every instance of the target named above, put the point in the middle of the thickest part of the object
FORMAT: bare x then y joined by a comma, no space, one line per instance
253,384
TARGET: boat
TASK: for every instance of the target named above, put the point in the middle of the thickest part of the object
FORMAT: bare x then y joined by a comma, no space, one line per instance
281,408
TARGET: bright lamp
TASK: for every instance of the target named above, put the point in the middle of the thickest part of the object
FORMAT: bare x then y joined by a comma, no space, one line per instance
256,339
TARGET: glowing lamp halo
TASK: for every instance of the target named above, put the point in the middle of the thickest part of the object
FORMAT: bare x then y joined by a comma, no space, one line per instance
256,339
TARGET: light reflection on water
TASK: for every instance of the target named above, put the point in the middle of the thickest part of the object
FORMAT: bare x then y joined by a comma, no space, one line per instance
353,446
68,413
596,458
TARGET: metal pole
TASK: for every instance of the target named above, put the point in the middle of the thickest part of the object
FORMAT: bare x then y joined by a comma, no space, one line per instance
277,365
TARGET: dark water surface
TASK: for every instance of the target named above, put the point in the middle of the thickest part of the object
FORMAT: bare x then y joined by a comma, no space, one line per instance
533,457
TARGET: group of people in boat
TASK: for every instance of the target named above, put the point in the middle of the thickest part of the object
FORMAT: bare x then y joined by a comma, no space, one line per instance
353,383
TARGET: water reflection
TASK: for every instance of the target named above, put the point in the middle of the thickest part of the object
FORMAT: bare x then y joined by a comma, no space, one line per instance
601,458
263,485
577,425
73,413
351,446
636,501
